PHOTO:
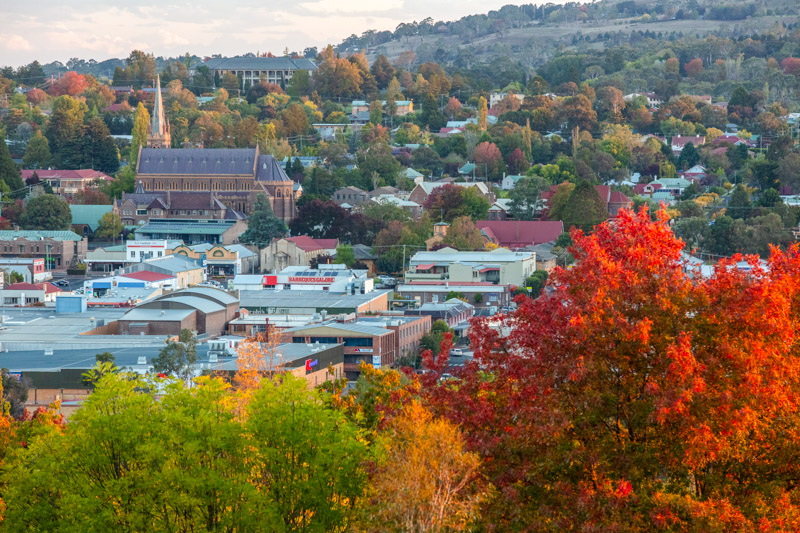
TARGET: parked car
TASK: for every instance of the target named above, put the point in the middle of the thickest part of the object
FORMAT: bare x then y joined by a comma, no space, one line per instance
457,352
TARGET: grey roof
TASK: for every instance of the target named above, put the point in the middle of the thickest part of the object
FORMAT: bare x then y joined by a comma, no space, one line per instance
175,227
221,296
260,63
363,252
298,299
36,361
203,305
208,161
350,327
170,263
146,314
58,235
269,169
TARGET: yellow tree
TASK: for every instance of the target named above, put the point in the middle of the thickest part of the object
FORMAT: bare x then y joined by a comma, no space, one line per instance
142,118
428,481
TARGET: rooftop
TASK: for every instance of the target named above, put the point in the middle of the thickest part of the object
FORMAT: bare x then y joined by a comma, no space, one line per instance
171,227
260,63
58,235
89,215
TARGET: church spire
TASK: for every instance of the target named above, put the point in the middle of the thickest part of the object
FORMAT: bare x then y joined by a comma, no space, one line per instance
158,132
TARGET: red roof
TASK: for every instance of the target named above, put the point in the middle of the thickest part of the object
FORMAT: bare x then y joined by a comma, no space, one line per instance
145,275
683,140
307,244
23,286
520,233
85,173
426,267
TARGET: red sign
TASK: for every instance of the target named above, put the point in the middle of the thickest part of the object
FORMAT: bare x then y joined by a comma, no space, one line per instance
310,364
270,280
299,279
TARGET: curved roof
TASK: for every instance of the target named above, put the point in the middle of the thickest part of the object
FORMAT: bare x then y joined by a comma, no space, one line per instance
219,295
204,305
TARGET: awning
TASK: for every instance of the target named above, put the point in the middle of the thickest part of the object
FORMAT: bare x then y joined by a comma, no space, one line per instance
426,267
488,269
101,285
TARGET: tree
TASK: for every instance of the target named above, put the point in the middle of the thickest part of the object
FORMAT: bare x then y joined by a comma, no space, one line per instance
559,200
694,67
739,204
345,255
635,393
376,112
483,113
464,235
110,226
47,212
451,201
37,153
584,208
433,339
9,171
488,158
71,83
526,197
428,480
65,132
689,156
262,224
382,71
320,220
178,358
101,152
139,133
577,111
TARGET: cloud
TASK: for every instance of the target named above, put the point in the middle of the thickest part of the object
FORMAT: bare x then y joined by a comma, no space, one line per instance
15,42
352,7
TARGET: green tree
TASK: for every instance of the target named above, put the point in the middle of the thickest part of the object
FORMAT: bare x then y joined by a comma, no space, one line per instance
345,255
65,132
526,197
262,224
739,204
124,182
178,358
433,339
37,153
9,171
535,283
110,226
689,156
376,112
584,209
101,151
454,295
140,121
299,85
47,212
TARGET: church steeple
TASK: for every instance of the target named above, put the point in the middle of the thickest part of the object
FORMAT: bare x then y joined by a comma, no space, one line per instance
158,130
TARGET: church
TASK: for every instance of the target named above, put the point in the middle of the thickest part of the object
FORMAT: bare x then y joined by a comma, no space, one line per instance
234,176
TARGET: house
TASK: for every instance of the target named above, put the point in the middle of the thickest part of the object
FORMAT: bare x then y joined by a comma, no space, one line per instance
364,255
59,249
646,189
350,195
386,189
422,190
32,270
413,175
24,294
295,251
68,183
496,98
307,161
329,131
454,312
252,70
500,210
413,209
614,200
510,181
678,142
500,266
517,234
733,139
673,186
468,169
404,107
652,99
86,218
696,173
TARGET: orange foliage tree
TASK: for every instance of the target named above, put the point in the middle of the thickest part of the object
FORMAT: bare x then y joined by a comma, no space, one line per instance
636,395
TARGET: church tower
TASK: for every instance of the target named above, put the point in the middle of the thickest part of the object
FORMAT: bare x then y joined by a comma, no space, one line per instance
158,129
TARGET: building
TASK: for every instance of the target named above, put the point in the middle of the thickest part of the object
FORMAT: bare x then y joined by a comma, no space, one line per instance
289,302
500,210
413,209
32,270
372,345
510,181
68,183
404,107
454,311
295,251
86,218
220,260
500,266
158,135
22,294
480,295
678,142
351,196
235,176
202,309
253,70
329,131
192,231
187,271
422,190
408,330
673,186
139,207
59,249
331,278
97,287
614,200
517,234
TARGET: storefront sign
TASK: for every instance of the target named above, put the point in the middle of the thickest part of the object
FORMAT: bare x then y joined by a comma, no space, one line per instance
310,364
310,280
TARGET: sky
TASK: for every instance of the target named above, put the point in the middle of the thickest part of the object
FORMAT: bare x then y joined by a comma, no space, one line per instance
50,30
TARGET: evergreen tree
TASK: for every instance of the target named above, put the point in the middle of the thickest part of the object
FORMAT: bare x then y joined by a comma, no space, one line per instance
37,153
46,212
584,208
65,132
689,156
101,151
739,203
262,225
9,171
297,171
431,115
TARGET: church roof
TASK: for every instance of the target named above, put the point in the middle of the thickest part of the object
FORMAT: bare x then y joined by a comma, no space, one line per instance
202,161
269,170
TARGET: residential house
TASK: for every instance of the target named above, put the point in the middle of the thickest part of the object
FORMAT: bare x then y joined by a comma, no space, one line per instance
351,196
678,142
329,131
32,270
652,99
59,249
68,183
413,209
510,181
517,234
696,173
500,210
673,186
295,251
614,200
422,190
404,107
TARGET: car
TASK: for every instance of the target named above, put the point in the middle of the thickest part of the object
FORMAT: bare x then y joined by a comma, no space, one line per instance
457,352
62,283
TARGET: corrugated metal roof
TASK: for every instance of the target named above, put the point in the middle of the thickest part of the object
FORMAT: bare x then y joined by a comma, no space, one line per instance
143,314
89,214
58,235
260,63
193,228
350,328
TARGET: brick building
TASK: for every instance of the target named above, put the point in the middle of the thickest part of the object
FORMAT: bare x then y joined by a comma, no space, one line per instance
59,249
139,207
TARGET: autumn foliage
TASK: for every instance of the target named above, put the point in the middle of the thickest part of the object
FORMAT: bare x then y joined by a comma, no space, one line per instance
636,395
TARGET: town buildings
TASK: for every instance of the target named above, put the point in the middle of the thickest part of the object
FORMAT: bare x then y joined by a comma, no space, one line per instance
139,207
294,251
68,183
59,249
500,266
517,234
252,70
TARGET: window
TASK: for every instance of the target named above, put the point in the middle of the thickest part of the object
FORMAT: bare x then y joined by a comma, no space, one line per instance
324,340
141,212
358,342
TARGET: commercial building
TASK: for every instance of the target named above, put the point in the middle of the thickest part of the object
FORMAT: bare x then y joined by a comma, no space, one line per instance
295,251
479,294
456,313
32,270
289,302
140,206
500,266
59,249
408,330
219,259
22,293
187,271
193,231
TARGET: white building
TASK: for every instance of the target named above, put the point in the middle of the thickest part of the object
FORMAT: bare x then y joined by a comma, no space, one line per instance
500,266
